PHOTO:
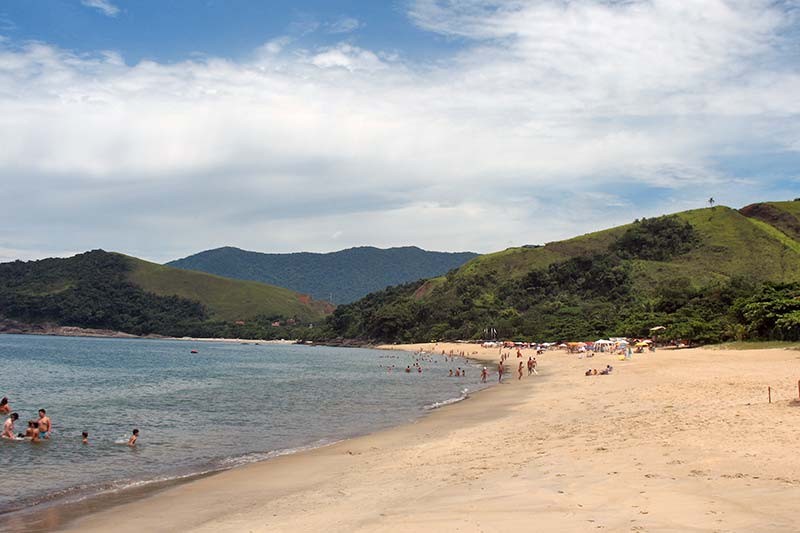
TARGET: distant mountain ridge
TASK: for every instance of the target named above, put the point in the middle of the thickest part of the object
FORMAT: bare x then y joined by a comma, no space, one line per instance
340,277
111,291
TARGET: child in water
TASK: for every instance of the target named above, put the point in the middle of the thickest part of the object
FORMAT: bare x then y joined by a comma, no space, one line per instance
134,438
85,437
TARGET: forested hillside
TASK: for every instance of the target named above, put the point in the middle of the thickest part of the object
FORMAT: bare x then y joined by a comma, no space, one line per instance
105,290
340,277
705,275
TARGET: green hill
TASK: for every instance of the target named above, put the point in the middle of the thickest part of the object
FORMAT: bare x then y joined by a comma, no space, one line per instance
695,272
106,290
345,275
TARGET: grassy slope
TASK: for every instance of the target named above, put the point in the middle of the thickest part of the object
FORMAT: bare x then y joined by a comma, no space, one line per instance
731,245
226,299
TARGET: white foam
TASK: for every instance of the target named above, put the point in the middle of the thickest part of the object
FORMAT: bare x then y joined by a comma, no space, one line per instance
449,401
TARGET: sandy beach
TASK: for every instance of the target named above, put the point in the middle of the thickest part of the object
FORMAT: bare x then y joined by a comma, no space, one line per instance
681,440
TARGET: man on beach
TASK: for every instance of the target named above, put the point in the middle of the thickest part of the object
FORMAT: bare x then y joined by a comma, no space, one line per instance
8,426
44,424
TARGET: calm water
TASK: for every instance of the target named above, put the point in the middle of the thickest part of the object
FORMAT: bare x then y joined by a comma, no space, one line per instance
226,405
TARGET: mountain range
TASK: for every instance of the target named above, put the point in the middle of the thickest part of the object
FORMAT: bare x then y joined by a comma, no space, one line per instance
339,277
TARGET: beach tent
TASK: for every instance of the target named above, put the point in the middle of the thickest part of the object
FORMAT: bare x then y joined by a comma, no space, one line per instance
602,342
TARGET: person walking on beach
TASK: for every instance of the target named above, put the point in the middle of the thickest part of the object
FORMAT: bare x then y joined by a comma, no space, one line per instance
8,426
45,425
134,438
519,371
4,407
533,366
500,370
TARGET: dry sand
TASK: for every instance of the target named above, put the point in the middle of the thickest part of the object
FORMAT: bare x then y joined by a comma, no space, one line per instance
672,441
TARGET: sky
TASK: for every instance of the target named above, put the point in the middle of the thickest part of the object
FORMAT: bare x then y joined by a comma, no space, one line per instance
160,128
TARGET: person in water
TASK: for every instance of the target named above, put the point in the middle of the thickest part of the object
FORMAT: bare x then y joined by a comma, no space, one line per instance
134,438
8,426
33,431
45,426
4,407
484,375
85,437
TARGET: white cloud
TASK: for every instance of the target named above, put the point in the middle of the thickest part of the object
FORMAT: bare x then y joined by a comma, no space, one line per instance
545,102
104,6
344,25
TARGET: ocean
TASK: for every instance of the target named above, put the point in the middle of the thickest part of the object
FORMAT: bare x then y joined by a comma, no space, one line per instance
227,405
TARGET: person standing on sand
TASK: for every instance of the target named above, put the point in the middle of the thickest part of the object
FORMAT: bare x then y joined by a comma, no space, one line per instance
519,371
45,425
533,366
500,371
8,426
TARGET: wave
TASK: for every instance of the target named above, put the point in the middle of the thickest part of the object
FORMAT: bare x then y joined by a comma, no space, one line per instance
449,401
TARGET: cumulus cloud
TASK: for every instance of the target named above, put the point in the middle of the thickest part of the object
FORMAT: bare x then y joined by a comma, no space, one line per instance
104,6
546,105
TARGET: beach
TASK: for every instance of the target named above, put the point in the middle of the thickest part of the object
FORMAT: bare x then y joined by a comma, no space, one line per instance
676,440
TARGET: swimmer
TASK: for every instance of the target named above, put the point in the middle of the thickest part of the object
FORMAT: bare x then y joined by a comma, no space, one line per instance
33,431
85,437
45,426
4,407
134,438
8,426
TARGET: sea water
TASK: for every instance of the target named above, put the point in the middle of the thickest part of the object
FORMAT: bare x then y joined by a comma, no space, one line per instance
226,405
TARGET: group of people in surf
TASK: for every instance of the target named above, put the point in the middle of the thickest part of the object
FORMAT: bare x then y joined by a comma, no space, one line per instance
40,429
37,430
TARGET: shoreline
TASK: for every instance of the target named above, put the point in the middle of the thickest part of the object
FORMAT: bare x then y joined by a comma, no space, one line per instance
61,513
679,429
673,430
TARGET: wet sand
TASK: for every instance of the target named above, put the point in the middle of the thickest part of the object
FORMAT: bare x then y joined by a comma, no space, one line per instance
673,441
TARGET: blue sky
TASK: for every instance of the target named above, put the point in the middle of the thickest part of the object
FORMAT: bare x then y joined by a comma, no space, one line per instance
160,128
172,30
